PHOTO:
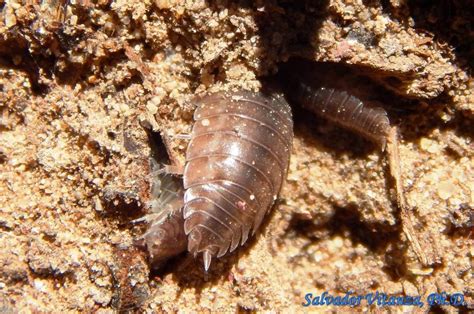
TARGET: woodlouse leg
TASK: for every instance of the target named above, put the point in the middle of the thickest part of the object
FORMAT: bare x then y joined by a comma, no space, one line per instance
172,169
393,157
182,136
176,167
172,165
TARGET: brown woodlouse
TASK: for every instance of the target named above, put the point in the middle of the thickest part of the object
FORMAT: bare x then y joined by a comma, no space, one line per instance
321,90
346,110
236,162
165,236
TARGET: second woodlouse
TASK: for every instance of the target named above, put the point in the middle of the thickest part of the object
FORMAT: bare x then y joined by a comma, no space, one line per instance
346,110
165,236
326,98
236,162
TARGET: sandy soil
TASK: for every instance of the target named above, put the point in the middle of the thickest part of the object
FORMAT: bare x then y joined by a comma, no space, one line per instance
81,82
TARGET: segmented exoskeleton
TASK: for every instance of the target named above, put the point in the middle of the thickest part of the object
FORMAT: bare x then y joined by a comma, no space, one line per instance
321,90
236,162
165,236
346,110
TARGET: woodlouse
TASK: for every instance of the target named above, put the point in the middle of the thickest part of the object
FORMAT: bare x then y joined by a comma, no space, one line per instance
165,236
236,162
346,110
321,90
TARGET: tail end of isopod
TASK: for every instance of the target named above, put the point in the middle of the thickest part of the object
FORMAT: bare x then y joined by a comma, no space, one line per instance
194,243
207,258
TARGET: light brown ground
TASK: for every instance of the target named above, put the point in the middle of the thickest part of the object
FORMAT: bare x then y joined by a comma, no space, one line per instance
74,156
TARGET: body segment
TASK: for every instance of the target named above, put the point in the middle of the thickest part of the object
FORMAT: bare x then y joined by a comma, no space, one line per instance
344,109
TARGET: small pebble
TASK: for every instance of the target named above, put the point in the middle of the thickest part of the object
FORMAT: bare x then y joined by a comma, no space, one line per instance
446,189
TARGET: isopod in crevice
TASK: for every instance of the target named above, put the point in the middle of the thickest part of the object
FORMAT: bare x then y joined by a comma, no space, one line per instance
321,89
236,162
346,110
165,235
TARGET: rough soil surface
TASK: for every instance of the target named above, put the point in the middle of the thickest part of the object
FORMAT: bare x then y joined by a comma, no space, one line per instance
82,83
